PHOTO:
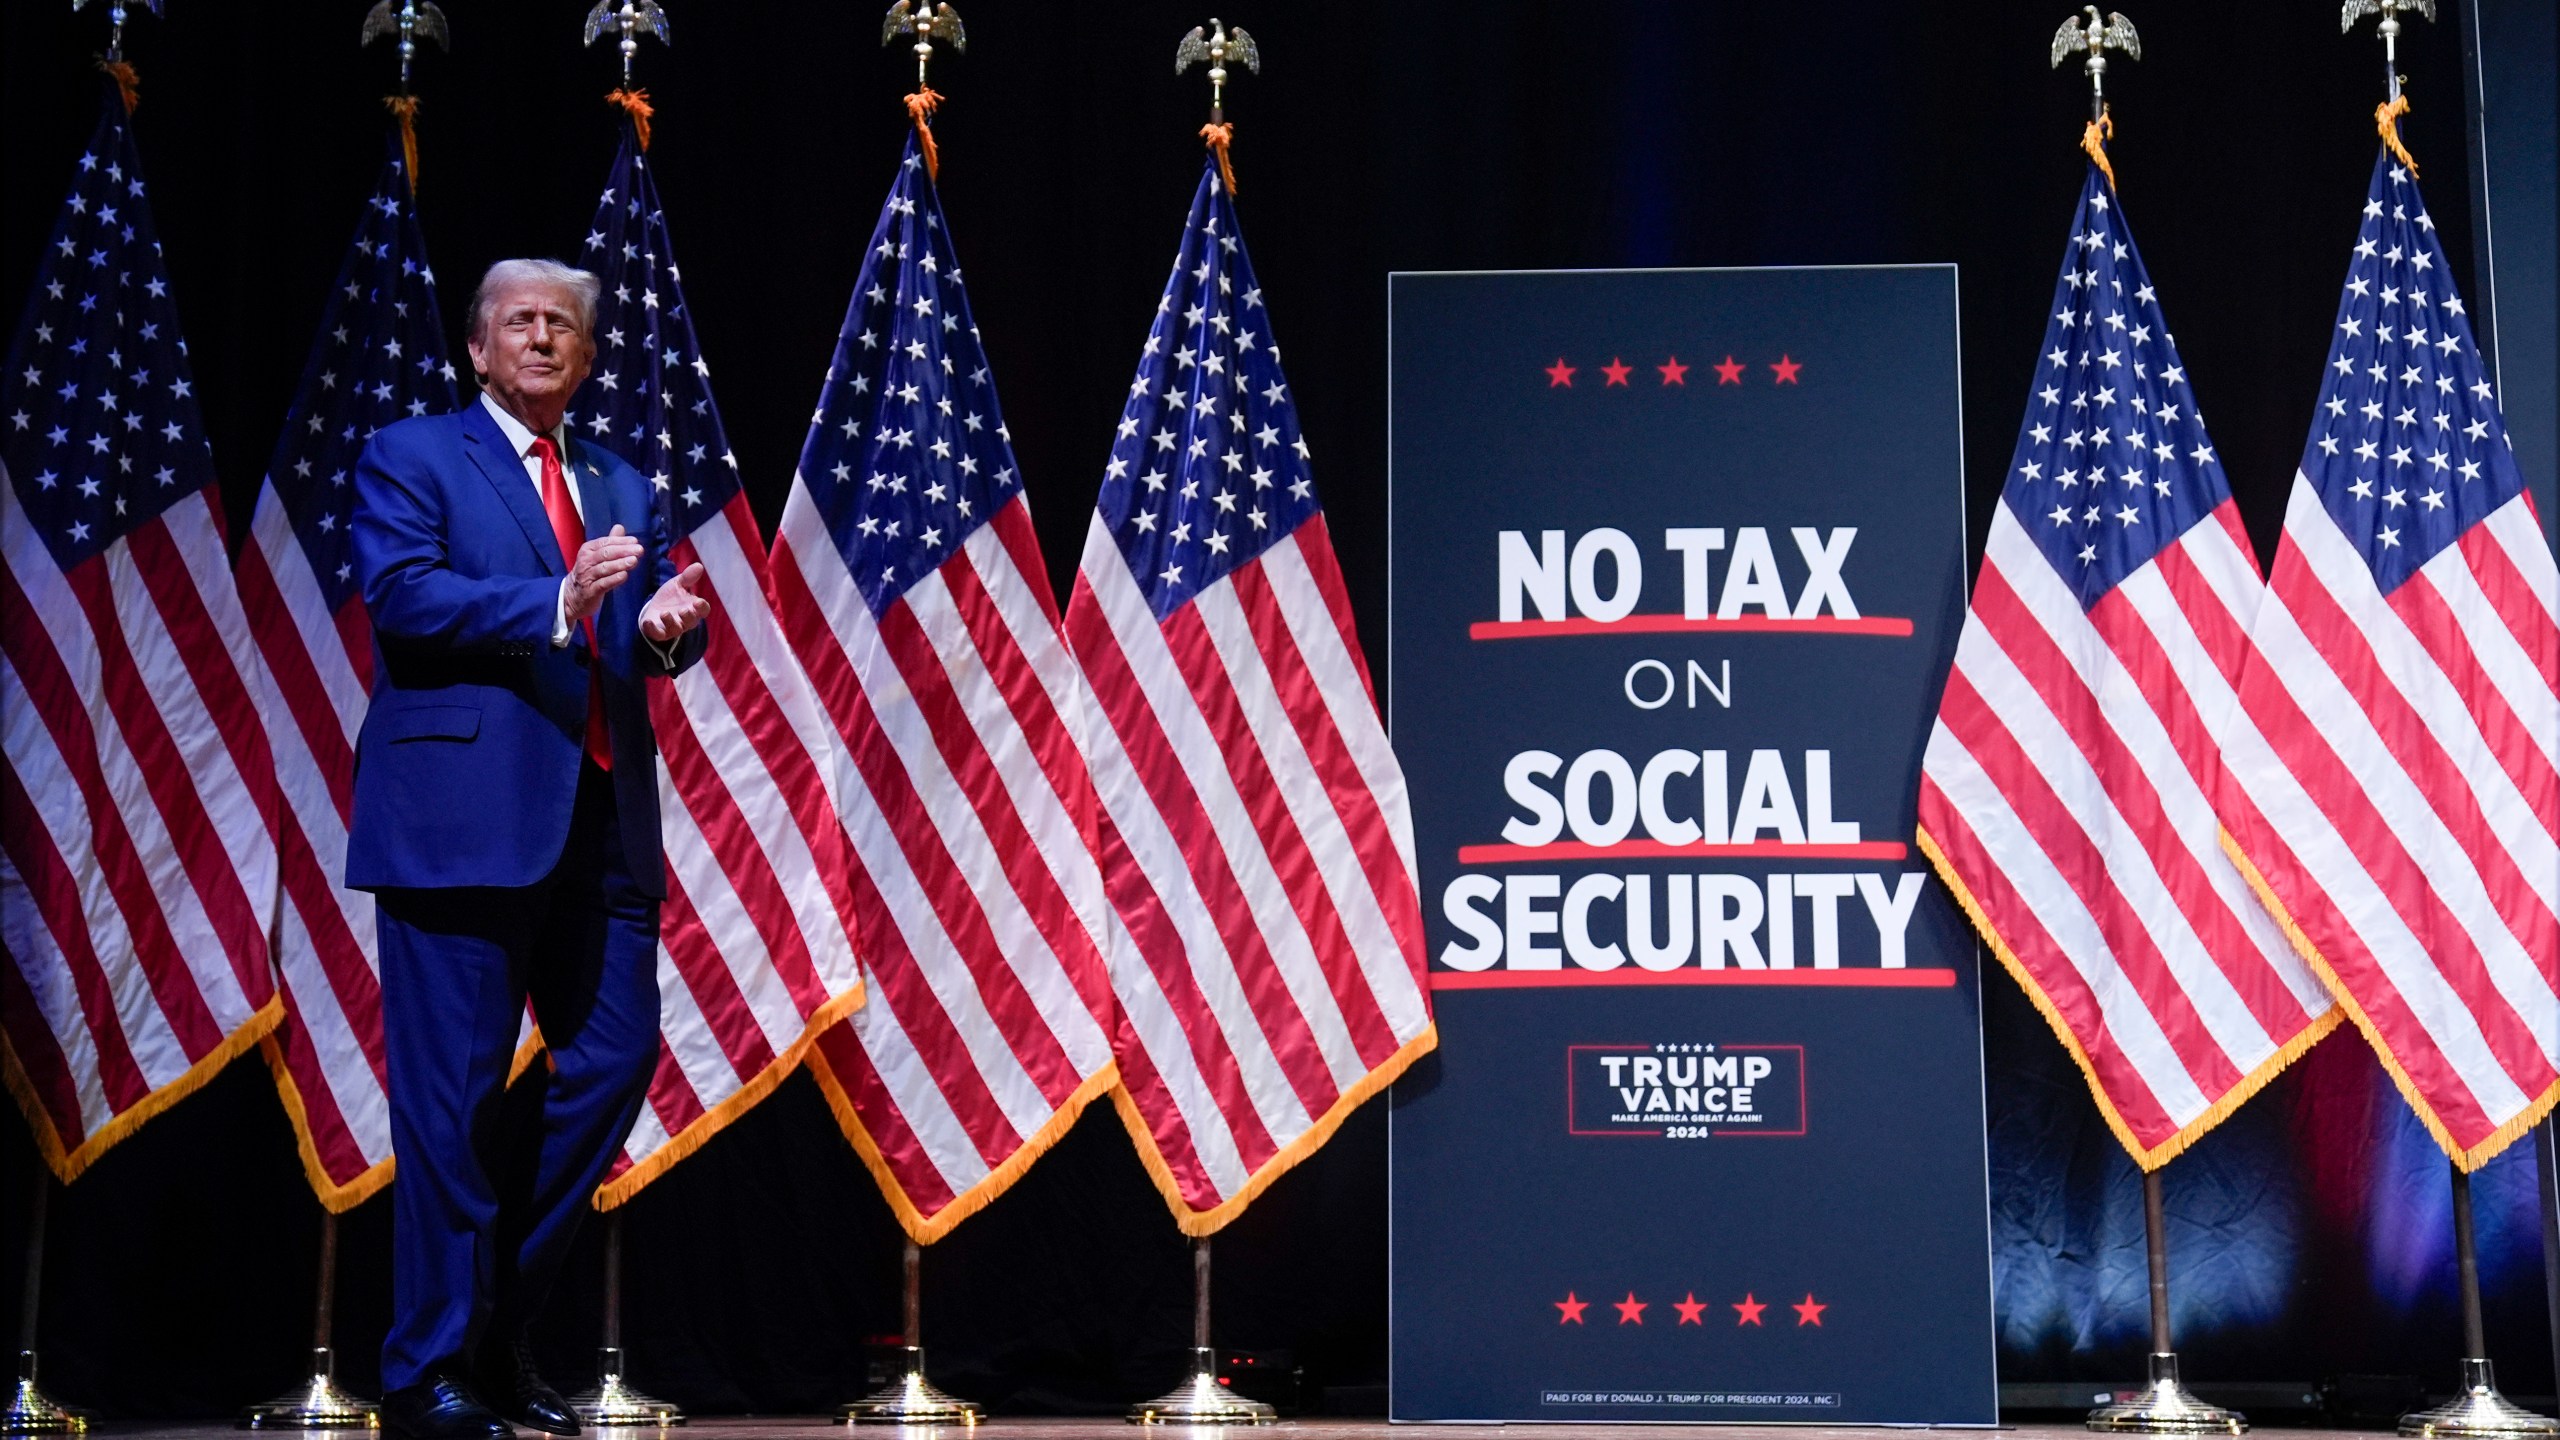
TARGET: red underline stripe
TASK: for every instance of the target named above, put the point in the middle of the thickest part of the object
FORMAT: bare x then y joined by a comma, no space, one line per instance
1868,979
1658,624
1656,850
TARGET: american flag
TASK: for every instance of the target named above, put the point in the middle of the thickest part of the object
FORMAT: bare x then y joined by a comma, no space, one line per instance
137,868
755,952
2066,791
910,582
2394,791
1255,833
379,356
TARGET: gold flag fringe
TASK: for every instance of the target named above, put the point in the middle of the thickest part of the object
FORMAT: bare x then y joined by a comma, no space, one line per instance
2464,1159
1198,1223
2147,1157
925,1229
716,1119
67,1164
336,1198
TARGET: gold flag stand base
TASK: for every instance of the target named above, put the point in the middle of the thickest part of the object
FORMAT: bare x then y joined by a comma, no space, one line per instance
910,1399
2478,1410
1201,1400
316,1404
2166,1407
615,1404
32,1412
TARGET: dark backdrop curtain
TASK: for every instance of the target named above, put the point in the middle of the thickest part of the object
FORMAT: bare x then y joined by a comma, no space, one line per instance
2310,1233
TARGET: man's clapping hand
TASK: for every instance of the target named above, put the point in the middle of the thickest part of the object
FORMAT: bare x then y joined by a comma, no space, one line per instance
602,564
675,608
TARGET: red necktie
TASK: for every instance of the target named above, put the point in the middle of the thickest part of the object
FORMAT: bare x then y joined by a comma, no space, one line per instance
570,531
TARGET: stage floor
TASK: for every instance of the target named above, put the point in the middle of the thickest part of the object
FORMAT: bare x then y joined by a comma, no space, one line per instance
808,1427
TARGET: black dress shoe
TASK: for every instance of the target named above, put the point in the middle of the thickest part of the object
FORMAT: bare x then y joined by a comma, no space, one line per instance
519,1393
441,1408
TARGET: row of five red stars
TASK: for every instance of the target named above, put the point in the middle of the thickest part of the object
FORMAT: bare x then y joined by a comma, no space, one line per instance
1729,371
1692,1309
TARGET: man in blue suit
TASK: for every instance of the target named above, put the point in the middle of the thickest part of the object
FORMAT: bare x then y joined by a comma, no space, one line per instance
506,819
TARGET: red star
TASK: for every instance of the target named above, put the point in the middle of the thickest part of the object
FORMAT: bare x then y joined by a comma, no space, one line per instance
1750,1309
1730,372
1809,1313
1692,1309
1630,1310
1616,370
1674,373
1572,1309
1787,369
1559,374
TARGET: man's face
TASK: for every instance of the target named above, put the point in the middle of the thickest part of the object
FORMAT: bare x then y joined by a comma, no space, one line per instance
533,352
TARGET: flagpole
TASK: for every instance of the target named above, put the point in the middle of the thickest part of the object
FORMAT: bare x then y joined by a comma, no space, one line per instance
614,1401
31,1411
318,1403
2478,1409
2163,1406
910,1398
2546,1162
1201,1399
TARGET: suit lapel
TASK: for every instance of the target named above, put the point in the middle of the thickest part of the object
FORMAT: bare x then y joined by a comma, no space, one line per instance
505,472
595,495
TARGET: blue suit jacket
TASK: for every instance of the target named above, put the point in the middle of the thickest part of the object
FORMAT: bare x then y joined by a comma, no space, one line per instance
467,767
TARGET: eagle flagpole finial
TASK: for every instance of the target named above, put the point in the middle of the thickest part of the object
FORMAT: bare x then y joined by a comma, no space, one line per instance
408,20
2093,41
116,15
1217,44
2354,10
939,22
632,18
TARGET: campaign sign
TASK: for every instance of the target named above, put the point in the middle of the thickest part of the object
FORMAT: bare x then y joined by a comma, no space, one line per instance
1678,569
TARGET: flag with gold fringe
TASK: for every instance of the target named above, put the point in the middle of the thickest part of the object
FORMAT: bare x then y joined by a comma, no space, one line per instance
2067,788
2395,793
379,356
756,946
137,797
910,581
1255,833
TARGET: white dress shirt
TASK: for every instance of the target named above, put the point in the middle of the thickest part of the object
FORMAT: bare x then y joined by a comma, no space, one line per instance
522,439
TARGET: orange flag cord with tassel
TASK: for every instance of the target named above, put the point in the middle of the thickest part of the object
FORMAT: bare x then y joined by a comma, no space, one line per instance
128,84
406,107
2093,139
635,103
920,107
2386,123
1220,135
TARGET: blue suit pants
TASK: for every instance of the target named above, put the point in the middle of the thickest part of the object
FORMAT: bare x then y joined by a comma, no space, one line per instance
482,1210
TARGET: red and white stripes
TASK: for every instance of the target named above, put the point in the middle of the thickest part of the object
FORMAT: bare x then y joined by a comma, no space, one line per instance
2395,796
136,870
756,951
970,818
1259,853
314,681
2068,797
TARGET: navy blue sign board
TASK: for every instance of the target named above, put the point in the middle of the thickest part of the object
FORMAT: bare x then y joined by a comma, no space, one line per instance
1678,570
